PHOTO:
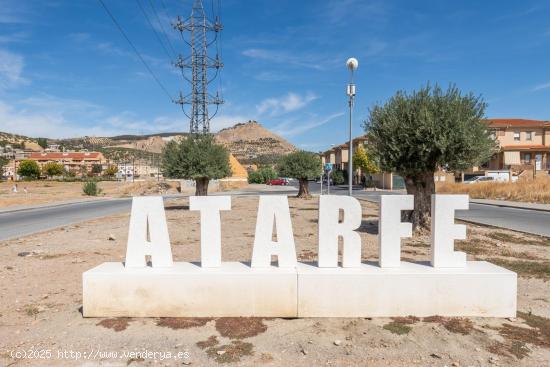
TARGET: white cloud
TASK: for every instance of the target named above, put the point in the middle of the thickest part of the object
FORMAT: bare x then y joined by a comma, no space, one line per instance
79,37
297,129
287,103
283,57
14,37
53,117
541,87
11,70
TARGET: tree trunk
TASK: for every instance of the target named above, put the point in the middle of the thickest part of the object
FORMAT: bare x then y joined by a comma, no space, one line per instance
303,192
422,186
201,186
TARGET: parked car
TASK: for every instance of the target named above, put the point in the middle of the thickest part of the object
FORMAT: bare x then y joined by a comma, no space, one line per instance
278,181
476,179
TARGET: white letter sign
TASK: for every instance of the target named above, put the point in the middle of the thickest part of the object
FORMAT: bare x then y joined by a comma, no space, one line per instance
211,232
445,231
273,209
148,234
391,229
330,229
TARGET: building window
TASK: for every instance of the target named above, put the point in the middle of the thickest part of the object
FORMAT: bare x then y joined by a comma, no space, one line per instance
529,135
527,158
516,135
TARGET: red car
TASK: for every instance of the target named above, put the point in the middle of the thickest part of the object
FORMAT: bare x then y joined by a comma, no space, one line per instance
278,181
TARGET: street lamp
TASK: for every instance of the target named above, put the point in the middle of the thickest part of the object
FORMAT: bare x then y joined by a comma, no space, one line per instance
352,65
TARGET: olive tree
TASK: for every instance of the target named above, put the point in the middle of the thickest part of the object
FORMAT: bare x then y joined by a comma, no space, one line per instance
196,158
415,134
302,166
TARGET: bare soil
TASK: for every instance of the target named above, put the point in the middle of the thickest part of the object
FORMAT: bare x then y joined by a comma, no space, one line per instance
47,192
41,286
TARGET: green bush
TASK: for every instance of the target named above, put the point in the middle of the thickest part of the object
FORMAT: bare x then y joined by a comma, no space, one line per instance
91,188
337,177
262,175
255,177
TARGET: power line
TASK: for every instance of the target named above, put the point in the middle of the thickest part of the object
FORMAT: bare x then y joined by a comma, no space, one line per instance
161,26
134,49
154,30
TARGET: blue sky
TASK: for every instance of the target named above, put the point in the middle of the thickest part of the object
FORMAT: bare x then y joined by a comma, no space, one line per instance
66,71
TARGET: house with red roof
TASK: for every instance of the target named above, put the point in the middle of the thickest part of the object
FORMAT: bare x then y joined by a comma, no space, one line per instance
524,145
77,162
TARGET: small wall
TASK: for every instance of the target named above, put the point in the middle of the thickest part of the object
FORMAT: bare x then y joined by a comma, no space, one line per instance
382,180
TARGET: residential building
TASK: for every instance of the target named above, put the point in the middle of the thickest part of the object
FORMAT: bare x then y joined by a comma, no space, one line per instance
339,155
77,162
523,145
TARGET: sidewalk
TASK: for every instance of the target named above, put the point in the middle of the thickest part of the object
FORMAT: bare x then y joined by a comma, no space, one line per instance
512,204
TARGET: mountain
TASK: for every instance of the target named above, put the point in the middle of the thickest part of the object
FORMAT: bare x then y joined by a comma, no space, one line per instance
250,142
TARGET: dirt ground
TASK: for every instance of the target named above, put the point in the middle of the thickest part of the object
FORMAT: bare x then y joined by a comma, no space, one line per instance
40,312
46,192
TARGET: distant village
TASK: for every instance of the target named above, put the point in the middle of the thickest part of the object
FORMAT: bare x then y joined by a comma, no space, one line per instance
81,163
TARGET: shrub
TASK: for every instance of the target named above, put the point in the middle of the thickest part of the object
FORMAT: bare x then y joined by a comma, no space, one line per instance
91,188
337,177
262,175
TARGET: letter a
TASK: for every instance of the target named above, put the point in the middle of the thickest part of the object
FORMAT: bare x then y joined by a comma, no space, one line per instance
273,210
148,220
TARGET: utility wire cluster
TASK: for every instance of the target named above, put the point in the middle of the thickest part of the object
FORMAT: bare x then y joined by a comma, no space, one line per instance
198,68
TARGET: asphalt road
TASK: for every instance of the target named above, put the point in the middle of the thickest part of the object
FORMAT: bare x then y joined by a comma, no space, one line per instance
23,222
27,221
522,220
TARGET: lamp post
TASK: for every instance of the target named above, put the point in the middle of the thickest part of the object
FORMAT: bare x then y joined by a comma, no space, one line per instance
352,65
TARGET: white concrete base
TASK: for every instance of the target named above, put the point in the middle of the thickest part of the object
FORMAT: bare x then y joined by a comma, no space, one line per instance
235,289
187,290
481,289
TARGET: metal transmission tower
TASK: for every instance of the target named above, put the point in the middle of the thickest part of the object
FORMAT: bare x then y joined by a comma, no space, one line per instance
200,34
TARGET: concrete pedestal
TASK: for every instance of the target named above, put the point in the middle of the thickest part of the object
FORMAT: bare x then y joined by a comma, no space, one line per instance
480,289
235,289
187,290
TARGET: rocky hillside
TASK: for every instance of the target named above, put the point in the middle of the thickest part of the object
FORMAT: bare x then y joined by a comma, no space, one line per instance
250,142
18,141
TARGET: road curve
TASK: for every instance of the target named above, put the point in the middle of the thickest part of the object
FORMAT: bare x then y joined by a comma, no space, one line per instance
22,222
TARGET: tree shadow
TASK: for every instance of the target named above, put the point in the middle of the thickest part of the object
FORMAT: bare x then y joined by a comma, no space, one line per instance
177,207
369,226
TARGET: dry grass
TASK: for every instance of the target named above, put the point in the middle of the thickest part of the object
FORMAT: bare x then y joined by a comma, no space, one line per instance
534,191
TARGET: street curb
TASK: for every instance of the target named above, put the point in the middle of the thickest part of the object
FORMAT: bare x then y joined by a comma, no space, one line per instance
511,206
65,203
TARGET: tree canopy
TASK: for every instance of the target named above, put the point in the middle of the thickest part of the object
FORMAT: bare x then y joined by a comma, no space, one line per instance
3,162
197,158
419,132
53,169
28,169
363,161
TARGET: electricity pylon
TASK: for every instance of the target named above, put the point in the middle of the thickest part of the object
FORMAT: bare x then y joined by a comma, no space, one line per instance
201,35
